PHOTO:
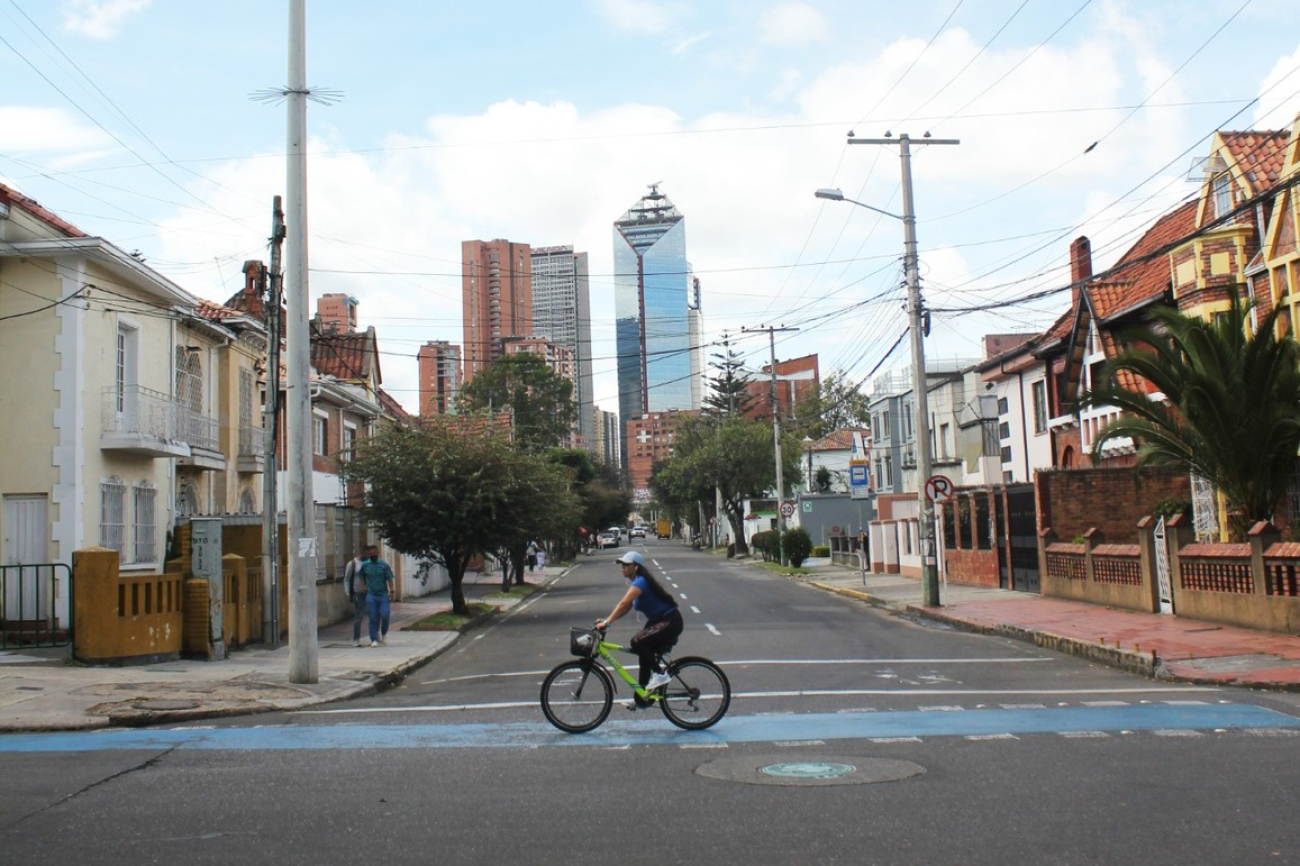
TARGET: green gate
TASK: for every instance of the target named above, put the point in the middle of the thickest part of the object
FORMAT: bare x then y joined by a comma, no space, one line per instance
29,601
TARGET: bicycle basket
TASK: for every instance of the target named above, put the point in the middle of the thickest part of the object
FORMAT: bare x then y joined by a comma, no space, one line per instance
583,642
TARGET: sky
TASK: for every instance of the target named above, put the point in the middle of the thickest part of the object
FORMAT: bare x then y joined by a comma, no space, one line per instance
147,122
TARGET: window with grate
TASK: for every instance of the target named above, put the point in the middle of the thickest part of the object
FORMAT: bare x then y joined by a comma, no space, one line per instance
1040,405
145,499
112,515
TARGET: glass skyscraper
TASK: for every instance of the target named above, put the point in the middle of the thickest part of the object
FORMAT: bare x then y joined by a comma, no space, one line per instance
656,311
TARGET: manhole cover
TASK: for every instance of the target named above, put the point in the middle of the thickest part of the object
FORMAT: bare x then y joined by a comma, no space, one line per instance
835,770
807,770
165,705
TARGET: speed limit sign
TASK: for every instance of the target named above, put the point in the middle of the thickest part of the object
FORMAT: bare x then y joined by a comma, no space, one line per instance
939,488
787,508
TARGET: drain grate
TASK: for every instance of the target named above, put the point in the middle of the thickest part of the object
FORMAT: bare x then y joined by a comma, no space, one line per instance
829,770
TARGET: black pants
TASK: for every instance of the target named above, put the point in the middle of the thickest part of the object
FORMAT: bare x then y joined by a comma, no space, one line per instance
657,637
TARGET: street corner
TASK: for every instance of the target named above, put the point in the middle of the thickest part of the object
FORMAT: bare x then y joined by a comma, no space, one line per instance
138,704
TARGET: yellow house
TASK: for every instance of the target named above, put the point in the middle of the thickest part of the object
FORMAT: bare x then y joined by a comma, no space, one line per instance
127,403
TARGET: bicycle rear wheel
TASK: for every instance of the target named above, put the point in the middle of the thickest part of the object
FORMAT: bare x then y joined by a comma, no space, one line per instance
698,696
577,696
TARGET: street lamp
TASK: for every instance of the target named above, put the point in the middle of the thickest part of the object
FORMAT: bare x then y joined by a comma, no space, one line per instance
925,514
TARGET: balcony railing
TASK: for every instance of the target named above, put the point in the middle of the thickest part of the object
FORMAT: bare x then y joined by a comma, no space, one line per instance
147,422
252,442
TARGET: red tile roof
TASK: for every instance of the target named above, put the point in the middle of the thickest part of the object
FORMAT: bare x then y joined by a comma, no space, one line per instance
1259,154
349,355
393,409
1142,274
13,198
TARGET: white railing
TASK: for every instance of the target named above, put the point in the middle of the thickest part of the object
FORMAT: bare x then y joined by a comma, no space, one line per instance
136,410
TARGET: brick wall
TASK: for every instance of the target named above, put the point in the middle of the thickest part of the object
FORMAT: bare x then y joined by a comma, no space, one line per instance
1072,501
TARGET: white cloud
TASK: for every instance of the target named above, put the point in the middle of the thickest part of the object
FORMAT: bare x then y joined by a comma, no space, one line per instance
1279,95
792,24
25,129
99,19
641,16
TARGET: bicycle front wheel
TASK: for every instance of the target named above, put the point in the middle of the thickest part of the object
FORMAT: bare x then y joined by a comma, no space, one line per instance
698,696
577,696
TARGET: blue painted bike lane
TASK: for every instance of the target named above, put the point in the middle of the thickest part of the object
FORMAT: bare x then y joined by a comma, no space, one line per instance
653,730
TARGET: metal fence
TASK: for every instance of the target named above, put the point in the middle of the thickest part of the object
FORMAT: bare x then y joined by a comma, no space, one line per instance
30,598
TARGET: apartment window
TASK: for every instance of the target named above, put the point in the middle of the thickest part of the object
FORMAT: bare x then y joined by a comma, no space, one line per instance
1006,453
945,435
112,515
1221,189
146,532
245,398
1003,406
349,442
320,435
1004,430
1040,405
124,373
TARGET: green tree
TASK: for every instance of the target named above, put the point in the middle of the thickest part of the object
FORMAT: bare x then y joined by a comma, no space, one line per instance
735,455
836,404
603,500
539,400
1231,407
448,492
729,386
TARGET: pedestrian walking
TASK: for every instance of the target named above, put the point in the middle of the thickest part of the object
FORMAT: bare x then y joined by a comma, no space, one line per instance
532,555
541,558
355,589
378,578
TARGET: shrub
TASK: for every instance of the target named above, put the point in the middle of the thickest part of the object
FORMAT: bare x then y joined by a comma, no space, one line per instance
821,550
797,545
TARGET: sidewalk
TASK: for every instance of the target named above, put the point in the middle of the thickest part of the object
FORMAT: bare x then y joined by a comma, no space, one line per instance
1154,645
41,691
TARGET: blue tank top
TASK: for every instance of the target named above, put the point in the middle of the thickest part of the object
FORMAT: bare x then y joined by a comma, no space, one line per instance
649,602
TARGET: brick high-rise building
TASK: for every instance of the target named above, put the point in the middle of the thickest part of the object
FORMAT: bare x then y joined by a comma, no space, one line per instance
337,313
497,299
440,377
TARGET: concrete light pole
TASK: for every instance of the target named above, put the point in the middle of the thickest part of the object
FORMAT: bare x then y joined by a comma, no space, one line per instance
920,385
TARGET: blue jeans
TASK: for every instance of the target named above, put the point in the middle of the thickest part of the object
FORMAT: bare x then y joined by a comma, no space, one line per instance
358,611
378,610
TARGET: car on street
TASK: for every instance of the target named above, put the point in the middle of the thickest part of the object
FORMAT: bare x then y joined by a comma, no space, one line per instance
637,532
607,539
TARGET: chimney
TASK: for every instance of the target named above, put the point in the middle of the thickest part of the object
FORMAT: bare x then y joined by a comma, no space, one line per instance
1080,266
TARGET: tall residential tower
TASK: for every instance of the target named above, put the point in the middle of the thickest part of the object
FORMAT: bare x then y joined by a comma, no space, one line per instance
497,297
562,315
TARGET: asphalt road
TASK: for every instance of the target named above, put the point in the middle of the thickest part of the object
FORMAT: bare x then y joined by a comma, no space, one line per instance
854,736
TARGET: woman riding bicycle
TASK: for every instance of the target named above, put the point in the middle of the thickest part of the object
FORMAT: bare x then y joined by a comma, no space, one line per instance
664,625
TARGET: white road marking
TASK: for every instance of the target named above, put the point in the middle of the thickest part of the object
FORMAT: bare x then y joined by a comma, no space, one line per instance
713,628
694,609
804,693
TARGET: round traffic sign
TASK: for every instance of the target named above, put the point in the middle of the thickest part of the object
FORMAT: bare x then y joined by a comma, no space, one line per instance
787,508
939,488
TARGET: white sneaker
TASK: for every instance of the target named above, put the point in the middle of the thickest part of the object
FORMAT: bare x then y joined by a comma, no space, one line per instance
373,643
383,639
357,642
658,681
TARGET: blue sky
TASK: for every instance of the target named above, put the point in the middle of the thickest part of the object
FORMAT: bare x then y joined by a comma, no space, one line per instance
542,122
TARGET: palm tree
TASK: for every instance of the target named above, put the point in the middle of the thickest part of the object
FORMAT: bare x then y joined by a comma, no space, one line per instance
1231,407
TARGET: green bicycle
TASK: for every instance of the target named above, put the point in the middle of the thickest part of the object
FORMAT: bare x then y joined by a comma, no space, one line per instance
578,695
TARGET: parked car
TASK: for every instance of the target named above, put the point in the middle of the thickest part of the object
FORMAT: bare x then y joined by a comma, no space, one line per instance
637,532
607,539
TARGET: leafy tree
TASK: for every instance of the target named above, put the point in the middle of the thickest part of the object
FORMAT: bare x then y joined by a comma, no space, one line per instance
729,385
446,492
603,500
733,454
837,404
540,400
1231,408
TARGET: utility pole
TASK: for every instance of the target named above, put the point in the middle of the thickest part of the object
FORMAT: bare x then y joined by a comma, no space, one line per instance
303,655
920,384
776,437
270,426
